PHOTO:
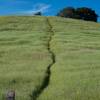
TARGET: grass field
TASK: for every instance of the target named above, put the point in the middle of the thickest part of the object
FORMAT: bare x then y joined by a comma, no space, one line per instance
25,46
75,75
23,55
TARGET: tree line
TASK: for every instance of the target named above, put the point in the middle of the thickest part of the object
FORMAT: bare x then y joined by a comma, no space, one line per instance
79,13
83,13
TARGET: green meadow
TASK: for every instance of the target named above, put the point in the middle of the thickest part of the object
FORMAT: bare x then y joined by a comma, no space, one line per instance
26,48
75,75
23,55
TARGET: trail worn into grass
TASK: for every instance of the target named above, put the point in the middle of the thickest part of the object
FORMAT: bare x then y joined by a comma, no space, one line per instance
36,93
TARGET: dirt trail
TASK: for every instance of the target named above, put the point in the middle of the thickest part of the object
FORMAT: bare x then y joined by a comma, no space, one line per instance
36,93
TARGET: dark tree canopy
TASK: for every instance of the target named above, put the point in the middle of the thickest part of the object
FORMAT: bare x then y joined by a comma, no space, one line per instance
87,14
38,13
79,13
67,12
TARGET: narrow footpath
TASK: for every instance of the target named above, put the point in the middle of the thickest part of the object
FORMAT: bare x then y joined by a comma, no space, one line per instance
36,93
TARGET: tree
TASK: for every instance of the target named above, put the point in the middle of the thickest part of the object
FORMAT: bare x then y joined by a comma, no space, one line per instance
87,14
67,12
79,13
38,13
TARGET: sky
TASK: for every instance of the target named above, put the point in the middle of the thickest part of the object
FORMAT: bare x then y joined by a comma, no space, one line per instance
47,7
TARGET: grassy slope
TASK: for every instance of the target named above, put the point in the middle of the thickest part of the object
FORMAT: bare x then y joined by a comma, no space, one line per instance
75,75
24,58
23,54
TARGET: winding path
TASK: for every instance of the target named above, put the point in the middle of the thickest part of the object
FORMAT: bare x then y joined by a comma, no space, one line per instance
36,93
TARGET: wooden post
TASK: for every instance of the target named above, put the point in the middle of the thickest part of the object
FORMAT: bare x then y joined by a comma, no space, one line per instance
10,95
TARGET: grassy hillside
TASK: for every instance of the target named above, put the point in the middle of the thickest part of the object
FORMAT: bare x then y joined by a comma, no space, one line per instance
65,51
23,55
75,75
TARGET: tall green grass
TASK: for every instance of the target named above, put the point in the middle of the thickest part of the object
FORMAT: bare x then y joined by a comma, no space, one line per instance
75,75
23,55
24,58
